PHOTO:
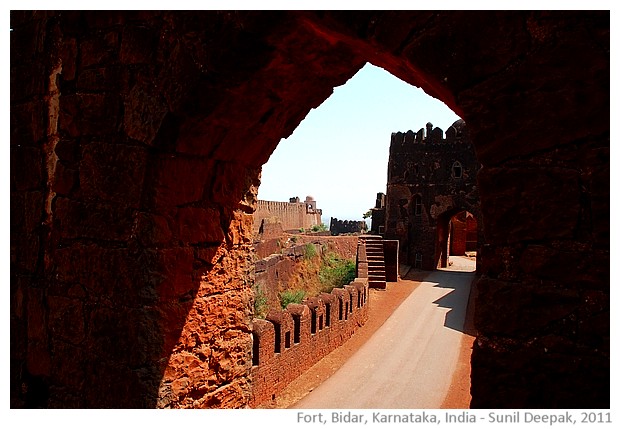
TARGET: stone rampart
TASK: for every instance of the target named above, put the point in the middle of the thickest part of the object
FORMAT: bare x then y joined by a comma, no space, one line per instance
286,343
337,226
292,215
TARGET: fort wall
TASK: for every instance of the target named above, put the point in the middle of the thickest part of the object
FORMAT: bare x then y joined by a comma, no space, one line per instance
292,215
337,226
286,343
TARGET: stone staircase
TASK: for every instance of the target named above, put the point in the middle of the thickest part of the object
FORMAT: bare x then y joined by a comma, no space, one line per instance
376,261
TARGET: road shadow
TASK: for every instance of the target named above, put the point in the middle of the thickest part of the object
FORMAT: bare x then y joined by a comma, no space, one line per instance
460,301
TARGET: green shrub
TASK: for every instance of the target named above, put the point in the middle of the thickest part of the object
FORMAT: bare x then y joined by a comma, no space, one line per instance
260,304
291,296
336,272
309,251
317,228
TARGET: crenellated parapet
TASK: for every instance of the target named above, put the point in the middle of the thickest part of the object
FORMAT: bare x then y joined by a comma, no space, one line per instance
337,226
429,156
288,342
456,134
293,215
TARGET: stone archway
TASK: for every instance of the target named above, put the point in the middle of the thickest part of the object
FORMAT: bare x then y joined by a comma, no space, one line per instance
136,145
448,239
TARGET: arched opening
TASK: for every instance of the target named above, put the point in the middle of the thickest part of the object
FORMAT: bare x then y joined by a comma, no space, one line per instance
340,151
457,241
457,170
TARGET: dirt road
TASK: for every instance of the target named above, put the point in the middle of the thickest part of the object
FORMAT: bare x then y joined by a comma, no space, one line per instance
410,361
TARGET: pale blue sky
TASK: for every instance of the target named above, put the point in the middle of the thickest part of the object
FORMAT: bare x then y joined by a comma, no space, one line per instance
338,154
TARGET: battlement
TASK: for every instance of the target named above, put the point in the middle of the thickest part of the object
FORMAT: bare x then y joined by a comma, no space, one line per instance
337,226
430,136
288,342
293,215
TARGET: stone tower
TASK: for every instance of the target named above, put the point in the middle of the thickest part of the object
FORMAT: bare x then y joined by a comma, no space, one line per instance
431,178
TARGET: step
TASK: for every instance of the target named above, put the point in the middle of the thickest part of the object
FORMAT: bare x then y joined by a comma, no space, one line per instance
377,284
380,274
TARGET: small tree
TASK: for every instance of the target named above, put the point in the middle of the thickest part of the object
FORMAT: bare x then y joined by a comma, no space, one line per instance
336,272
321,227
309,251
291,296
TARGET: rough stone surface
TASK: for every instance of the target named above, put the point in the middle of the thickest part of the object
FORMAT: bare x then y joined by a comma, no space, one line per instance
199,100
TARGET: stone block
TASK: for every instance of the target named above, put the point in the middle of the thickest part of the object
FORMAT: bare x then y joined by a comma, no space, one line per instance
25,252
100,79
68,151
99,50
28,123
95,220
28,81
198,225
38,359
240,229
108,338
138,45
68,55
174,270
68,364
65,180
113,172
145,110
88,114
28,40
153,230
116,274
66,319
521,309
180,180
529,204
235,183
26,173
26,211
37,315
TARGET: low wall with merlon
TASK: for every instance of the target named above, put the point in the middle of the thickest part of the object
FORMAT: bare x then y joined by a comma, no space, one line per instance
288,342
